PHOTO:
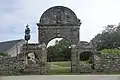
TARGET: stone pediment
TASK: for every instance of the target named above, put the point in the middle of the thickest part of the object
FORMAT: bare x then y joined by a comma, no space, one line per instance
59,15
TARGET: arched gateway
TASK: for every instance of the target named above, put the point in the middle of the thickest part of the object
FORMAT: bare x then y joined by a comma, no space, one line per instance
58,21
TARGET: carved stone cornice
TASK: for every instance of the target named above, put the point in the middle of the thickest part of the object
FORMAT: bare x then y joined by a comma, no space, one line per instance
39,24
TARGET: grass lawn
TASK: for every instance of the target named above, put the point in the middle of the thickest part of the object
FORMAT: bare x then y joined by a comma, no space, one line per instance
59,67
64,68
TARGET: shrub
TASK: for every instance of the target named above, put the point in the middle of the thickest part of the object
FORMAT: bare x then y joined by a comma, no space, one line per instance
110,51
3,54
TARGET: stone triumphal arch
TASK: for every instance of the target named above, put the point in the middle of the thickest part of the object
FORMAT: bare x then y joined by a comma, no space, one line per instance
60,22
55,22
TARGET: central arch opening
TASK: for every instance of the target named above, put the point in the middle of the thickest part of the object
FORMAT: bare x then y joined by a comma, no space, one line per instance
59,56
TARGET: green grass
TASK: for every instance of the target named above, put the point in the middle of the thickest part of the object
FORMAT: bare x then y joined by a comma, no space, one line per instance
59,67
61,64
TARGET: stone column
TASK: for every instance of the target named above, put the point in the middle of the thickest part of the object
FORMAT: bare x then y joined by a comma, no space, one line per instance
73,58
44,58
23,55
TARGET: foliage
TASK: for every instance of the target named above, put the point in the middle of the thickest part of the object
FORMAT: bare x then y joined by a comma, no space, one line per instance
60,51
108,39
3,54
110,51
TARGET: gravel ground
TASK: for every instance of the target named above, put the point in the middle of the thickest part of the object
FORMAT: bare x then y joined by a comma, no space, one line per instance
60,77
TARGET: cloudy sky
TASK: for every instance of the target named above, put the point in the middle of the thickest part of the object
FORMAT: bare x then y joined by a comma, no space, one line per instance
94,14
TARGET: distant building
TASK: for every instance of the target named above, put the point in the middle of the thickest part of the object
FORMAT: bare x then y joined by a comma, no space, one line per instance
11,48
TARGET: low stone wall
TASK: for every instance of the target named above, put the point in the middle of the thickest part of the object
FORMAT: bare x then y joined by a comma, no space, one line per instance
108,63
104,63
11,66
84,68
17,65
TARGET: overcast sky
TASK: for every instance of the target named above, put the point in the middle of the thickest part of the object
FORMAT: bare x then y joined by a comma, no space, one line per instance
94,14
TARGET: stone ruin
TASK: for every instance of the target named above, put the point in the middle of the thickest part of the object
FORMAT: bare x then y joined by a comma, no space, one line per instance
58,22
22,63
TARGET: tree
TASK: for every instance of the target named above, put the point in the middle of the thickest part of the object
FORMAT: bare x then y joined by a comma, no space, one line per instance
59,51
109,38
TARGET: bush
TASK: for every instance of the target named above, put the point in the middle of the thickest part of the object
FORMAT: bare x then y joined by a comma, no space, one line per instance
3,54
110,51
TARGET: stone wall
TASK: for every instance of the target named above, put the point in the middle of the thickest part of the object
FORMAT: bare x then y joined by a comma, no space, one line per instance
11,66
21,64
84,68
103,63
40,65
17,65
108,63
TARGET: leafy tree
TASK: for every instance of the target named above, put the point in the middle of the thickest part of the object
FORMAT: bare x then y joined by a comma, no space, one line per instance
59,51
109,38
